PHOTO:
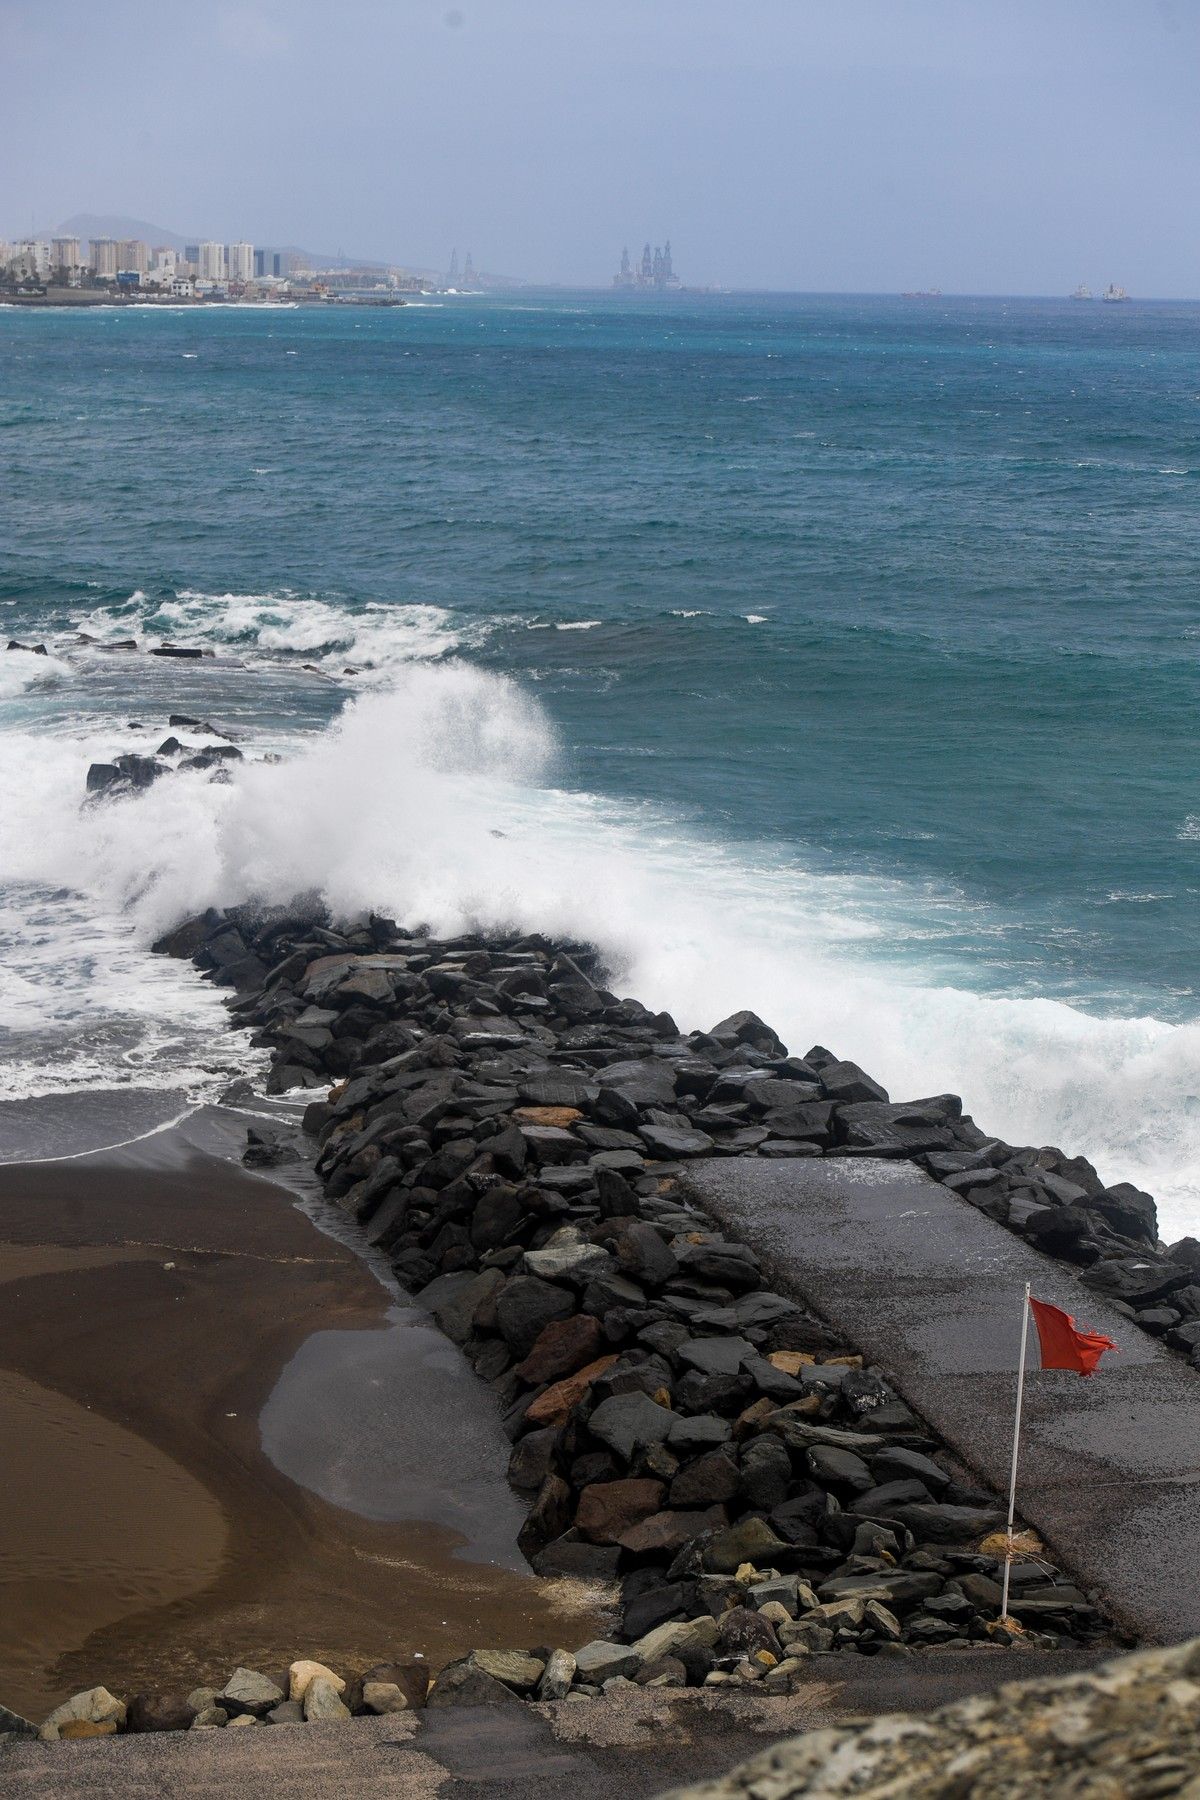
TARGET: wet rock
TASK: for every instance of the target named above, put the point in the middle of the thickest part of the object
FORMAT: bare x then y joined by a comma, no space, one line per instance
744,1631
562,1347
573,1555
628,1422
845,1081
941,1523
665,1533
609,1508
708,1481
750,1541
159,1712
557,1402
715,1356
670,1141
526,1306
1138,1282
702,1431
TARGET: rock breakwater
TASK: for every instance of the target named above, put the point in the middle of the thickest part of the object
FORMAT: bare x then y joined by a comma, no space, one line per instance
510,1133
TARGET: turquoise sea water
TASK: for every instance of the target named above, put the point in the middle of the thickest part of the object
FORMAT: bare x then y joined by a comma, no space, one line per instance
842,654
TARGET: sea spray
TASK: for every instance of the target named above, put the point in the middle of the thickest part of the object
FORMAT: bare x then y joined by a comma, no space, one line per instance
434,800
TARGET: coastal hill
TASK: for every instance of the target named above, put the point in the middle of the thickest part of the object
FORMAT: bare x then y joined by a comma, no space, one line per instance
85,225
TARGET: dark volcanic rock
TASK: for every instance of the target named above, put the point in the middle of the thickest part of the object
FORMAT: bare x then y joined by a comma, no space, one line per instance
159,1712
526,1306
509,1133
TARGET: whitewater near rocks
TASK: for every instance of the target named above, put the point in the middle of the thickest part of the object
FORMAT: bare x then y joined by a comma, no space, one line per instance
753,696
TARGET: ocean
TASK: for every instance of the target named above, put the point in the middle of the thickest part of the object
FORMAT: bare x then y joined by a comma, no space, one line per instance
837,657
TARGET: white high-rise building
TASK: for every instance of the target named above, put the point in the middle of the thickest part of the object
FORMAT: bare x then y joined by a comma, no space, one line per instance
133,255
211,262
65,254
104,256
163,262
241,262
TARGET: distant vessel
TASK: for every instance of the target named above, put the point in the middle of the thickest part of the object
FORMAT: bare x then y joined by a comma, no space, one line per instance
923,294
1112,294
1082,293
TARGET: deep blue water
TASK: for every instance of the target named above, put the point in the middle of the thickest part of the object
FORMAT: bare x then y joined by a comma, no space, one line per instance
898,597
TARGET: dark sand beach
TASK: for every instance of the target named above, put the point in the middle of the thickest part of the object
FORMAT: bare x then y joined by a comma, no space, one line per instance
158,1303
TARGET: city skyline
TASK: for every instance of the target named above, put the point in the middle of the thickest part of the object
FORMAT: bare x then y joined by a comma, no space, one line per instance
790,146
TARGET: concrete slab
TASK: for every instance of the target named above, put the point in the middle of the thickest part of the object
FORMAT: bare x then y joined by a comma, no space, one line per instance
930,1290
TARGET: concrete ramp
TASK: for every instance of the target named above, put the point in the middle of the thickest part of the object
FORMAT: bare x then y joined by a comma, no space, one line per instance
930,1290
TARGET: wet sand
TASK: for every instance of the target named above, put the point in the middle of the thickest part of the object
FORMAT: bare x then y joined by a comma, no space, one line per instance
155,1303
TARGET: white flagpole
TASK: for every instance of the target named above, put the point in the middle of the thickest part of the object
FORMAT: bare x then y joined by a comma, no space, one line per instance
1016,1445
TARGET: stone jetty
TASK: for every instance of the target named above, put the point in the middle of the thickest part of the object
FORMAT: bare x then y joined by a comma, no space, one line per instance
510,1134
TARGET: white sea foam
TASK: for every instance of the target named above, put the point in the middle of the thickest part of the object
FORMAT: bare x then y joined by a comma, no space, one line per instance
397,805
372,639
21,671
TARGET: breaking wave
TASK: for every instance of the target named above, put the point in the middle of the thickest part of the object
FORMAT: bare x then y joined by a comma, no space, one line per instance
440,800
374,637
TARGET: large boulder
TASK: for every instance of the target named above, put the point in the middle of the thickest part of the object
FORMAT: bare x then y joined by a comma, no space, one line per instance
159,1712
94,1706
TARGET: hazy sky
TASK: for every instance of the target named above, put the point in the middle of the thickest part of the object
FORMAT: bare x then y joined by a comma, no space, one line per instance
997,146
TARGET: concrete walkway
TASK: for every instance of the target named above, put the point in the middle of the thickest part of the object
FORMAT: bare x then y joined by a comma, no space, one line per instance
930,1290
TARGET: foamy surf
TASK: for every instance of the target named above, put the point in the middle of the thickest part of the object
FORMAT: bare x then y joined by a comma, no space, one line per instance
440,799
372,638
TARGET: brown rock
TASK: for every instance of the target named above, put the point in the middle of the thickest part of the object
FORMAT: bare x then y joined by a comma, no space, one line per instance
87,1728
554,1406
562,1116
791,1361
411,1678
548,1517
670,1531
159,1712
609,1508
563,1346
708,1481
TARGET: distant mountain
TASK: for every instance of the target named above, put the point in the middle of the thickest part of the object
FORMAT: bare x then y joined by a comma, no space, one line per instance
117,225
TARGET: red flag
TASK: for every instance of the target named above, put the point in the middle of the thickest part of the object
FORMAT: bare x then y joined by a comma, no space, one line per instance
1063,1345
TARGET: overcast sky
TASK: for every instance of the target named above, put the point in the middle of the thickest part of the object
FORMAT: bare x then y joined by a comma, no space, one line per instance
989,146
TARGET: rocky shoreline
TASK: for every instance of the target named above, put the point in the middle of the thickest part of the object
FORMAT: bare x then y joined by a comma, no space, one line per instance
514,1138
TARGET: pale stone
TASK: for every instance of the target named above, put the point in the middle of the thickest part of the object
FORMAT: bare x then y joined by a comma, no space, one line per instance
515,1668
243,1719
557,1677
676,1635
322,1701
96,1705
248,1691
303,1673
383,1697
